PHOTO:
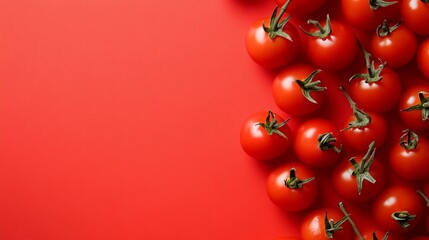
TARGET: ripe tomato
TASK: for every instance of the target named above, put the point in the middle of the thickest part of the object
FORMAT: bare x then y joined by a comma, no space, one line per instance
331,47
423,57
397,209
274,45
288,238
295,92
395,45
292,187
408,158
367,15
317,224
424,196
420,238
265,136
412,111
416,15
317,143
302,7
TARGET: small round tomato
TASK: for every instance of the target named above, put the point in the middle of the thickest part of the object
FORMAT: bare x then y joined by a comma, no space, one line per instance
320,223
292,187
302,7
413,107
395,45
317,143
408,158
275,45
416,15
331,47
397,209
423,57
359,179
295,92
265,136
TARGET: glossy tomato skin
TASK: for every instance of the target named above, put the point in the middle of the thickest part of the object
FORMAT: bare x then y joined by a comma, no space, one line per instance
334,52
302,7
345,183
313,225
410,164
258,144
423,57
359,139
416,15
397,48
288,95
393,199
271,53
359,14
380,96
306,144
292,199
413,119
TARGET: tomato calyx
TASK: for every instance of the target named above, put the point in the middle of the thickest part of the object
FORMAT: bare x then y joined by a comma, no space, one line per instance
425,1
294,182
372,75
276,27
403,218
331,226
375,4
422,106
361,170
325,141
384,30
374,236
307,86
272,126
409,140
362,118
426,198
322,32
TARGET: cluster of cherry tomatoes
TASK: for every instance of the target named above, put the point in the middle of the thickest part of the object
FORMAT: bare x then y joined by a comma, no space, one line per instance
370,59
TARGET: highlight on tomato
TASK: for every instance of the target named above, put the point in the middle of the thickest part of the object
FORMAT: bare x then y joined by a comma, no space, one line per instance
414,107
416,15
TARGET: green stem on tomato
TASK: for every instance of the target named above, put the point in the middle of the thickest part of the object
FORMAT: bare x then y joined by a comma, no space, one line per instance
403,218
374,236
325,141
362,118
372,75
422,106
294,182
384,30
352,223
322,32
409,140
276,27
272,126
375,4
308,86
426,198
361,170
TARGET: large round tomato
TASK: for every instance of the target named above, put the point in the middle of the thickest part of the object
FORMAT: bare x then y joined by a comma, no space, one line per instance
395,45
317,143
271,43
292,187
397,209
296,90
416,15
265,136
360,178
412,111
423,57
409,157
302,7
314,225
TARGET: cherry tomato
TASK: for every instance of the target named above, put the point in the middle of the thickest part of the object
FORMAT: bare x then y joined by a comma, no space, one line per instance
317,143
360,178
272,43
331,45
302,7
416,15
265,136
423,57
292,187
298,97
367,15
408,158
397,209
412,111
395,45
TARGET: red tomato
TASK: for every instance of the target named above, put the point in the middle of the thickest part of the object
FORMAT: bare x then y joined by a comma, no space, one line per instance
314,225
408,159
424,196
359,179
317,143
359,13
302,7
420,238
265,136
423,57
292,187
395,45
397,209
298,97
414,119
416,15
272,43
331,47
288,238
